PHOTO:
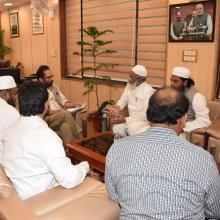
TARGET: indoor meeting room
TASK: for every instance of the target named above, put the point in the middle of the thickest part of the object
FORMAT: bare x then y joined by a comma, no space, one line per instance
110,109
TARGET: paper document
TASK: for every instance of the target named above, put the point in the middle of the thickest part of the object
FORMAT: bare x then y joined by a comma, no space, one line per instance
76,109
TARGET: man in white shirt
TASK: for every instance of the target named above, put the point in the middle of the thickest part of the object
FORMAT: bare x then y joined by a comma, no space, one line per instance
135,96
8,114
58,118
33,155
198,114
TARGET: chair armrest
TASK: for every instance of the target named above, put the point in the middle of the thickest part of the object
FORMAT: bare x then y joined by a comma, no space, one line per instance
13,208
199,131
214,129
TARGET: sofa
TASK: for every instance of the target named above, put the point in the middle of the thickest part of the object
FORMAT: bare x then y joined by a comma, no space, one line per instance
88,201
200,136
209,138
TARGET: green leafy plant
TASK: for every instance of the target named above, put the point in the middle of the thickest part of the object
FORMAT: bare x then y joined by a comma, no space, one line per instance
94,48
4,50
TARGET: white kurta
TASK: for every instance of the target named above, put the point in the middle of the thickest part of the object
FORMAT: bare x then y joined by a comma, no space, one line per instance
34,158
137,101
56,98
8,115
201,110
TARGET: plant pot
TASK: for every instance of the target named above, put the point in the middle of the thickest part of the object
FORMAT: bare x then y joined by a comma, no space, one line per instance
4,63
96,120
97,124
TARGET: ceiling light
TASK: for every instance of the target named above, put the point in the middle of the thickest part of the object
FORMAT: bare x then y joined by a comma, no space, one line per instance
8,4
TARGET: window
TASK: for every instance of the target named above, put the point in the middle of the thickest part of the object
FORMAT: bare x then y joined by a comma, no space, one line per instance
139,35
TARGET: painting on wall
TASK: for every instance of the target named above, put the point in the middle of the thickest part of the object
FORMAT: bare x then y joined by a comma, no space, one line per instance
37,21
14,25
192,22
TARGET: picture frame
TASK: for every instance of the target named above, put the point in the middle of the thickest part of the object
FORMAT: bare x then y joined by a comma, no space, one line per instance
192,22
14,24
37,21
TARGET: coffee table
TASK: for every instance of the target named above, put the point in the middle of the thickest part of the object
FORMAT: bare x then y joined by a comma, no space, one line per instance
92,149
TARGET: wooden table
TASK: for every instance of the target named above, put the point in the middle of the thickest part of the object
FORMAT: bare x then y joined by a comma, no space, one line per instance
92,149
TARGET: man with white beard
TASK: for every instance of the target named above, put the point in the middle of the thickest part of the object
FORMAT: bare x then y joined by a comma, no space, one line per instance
136,96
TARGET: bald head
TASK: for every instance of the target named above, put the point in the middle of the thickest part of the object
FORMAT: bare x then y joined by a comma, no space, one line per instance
166,106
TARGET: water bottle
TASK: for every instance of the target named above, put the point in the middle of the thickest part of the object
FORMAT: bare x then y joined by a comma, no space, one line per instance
104,123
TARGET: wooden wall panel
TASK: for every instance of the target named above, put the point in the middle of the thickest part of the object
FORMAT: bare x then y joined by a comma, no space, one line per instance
34,50
25,39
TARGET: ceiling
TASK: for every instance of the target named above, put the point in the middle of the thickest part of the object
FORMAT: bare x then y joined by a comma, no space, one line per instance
14,2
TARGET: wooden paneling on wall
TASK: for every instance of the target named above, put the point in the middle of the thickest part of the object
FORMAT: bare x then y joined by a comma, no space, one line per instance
120,16
33,50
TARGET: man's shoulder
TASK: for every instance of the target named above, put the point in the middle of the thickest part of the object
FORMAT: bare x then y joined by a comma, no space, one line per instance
147,88
191,92
124,143
9,111
46,136
194,150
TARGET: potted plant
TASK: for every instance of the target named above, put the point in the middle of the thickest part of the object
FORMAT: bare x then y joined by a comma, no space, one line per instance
94,48
4,50
5,67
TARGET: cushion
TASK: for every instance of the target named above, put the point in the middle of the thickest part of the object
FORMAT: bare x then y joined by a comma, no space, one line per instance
67,203
6,188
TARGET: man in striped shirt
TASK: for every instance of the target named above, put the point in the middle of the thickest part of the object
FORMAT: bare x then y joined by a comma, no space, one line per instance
158,175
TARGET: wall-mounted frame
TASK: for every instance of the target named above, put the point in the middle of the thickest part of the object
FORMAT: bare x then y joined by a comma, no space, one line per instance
192,22
14,24
37,21
189,55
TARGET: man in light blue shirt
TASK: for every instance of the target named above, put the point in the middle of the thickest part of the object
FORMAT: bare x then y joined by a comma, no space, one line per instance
158,175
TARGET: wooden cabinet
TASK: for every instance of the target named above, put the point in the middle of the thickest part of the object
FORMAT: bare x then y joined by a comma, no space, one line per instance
14,72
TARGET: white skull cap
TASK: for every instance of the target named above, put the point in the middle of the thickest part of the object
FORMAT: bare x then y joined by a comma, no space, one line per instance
7,82
140,70
181,72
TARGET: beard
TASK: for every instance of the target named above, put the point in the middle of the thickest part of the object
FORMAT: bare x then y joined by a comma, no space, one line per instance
49,84
133,85
11,102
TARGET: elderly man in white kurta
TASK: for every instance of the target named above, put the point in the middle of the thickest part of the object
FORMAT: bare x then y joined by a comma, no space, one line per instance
33,155
135,96
198,114
8,114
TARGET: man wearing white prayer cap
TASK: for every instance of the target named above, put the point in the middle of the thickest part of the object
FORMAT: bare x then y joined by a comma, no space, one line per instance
135,96
198,114
8,114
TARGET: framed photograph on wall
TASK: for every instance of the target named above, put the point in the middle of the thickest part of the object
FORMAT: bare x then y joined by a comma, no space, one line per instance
192,22
37,21
14,25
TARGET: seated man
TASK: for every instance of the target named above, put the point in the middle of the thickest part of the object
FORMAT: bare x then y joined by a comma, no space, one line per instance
8,114
158,175
58,118
198,114
33,155
135,96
